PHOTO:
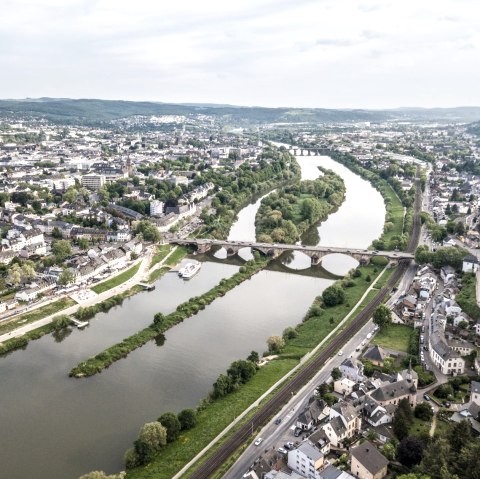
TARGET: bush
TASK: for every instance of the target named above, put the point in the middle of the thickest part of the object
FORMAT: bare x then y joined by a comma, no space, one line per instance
444,391
333,295
423,411
187,418
289,333
171,423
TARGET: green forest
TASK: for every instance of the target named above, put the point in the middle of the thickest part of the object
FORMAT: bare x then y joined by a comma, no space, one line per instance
287,213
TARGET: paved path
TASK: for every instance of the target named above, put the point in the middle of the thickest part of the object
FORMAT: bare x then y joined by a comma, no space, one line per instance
138,277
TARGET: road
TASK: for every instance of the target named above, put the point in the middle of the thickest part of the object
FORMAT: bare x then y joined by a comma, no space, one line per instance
275,436
284,393
139,275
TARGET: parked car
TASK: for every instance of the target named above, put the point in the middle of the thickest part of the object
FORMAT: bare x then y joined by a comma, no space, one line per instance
281,450
426,397
340,353
297,432
289,446
258,441
447,403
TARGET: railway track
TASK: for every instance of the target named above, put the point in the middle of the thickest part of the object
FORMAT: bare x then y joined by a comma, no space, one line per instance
220,456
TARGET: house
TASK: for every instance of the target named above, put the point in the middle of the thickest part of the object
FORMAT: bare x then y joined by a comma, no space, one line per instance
376,355
393,393
368,462
470,264
344,386
475,392
343,423
374,413
306,459
312,414
331,472
448,242
280,475
352,369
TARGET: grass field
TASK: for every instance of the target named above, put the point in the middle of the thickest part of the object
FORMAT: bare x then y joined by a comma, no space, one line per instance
39,313
158,273
119,279
162,251
395,337
211,421
176,256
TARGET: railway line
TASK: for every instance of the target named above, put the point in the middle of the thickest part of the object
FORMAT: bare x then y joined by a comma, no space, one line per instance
220,456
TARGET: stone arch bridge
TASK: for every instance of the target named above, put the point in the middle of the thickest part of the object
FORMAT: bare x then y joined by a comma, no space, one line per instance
316,253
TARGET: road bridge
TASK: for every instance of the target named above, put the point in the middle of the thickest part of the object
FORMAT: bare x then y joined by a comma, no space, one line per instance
316,253
301,151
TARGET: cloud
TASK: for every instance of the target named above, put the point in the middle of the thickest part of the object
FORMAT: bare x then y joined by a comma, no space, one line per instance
265,52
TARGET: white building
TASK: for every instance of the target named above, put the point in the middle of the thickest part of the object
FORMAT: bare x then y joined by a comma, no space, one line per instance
93,181
307,460
156,208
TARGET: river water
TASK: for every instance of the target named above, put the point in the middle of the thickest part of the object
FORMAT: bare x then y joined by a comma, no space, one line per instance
54,426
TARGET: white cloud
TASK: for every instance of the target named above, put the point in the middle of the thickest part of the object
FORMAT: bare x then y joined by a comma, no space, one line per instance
322,53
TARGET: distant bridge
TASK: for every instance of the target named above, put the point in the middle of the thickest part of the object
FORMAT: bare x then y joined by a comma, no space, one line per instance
316,253
299,151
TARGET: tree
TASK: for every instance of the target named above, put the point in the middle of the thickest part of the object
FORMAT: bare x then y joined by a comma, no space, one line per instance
435,456
423,411
83,244
382,316
406,408
336,374
148,231
289,333
222,386
14,275
151,439
158,319
61,250
253,357
401,424
61,322
56,233
170,421
241,371
333,295
187,418
410,451
131,458
66,277
459,435
275,344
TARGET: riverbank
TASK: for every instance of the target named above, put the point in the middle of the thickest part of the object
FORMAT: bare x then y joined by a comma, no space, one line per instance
285,215
217,419
161,323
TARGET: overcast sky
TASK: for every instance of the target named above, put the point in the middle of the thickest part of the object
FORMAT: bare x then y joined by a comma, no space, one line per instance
318,53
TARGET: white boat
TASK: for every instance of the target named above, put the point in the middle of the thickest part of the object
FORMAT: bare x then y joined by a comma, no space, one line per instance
190,270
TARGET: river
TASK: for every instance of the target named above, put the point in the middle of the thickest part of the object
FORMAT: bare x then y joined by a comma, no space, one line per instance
56,426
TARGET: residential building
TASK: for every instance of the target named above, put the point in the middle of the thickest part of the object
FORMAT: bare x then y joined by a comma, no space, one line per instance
368,462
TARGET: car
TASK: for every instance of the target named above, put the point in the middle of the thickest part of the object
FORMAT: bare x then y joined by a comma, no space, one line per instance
447,403
358,348
281,450
289,446
297,432
369,335
426,397
278,420
425,348
258,441
340,353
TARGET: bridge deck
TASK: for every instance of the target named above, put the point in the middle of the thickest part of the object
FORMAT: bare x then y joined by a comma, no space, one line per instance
294,247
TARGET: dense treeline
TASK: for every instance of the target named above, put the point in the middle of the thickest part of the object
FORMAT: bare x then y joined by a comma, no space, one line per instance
275,167
451,256
286,214
467,298
162,323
